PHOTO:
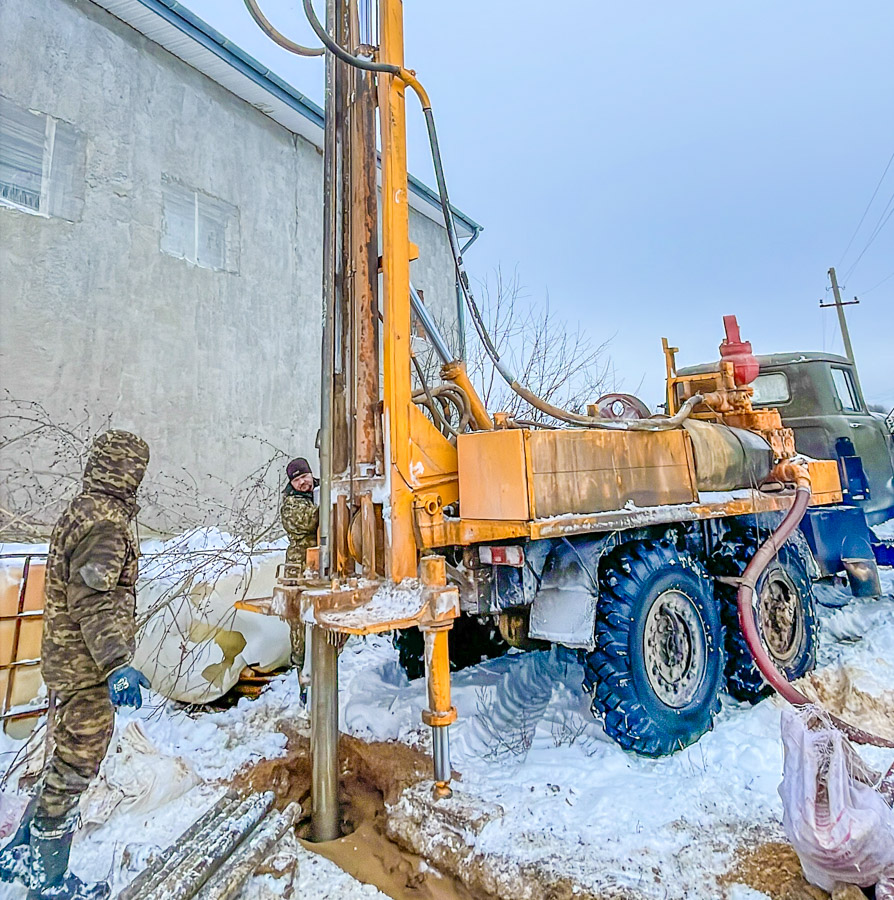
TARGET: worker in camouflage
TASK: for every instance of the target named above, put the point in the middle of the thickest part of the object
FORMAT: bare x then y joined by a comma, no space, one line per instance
300,514
88,645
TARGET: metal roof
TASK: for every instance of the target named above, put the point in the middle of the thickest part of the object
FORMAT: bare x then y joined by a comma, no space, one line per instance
182,33
768,360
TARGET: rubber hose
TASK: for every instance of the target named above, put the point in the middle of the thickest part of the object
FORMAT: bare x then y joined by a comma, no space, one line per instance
278,37
745,598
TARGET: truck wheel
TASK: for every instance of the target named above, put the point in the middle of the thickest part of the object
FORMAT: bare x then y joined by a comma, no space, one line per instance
657,670
471,641
786,616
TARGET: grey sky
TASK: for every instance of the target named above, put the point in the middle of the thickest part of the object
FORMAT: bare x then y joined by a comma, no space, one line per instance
654,165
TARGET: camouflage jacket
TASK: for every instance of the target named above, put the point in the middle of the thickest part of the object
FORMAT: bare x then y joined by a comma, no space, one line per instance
300,515
89,613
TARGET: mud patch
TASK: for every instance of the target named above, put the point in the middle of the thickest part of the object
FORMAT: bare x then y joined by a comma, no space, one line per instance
370,773
839,691
774,869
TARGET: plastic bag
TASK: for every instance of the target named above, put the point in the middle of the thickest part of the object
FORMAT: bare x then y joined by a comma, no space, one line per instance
12,806
136,776
841,827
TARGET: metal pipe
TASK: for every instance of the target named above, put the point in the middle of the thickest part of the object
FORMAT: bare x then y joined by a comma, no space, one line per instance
324,736
430,326
440,736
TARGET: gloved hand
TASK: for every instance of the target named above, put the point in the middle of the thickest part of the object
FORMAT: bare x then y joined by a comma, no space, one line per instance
124,687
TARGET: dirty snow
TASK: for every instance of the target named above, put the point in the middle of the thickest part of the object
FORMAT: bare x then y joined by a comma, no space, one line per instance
572,801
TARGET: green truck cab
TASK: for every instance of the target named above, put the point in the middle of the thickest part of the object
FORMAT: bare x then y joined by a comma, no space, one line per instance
819,397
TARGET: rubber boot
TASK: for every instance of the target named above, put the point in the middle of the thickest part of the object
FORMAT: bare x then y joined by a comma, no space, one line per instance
50,849
15,857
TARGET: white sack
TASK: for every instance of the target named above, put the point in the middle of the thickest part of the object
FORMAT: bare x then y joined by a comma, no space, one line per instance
195,646
135,776
840,826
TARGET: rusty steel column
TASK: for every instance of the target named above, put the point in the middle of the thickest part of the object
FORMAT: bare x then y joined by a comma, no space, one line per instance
364,294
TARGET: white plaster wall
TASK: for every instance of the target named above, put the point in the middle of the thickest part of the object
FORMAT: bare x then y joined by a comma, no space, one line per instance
202,363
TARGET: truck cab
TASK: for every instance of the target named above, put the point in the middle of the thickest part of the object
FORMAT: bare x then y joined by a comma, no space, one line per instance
819,397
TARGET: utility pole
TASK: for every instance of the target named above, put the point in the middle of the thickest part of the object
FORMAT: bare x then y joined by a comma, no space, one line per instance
839,305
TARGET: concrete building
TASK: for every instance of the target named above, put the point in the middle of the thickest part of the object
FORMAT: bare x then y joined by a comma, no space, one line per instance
161,231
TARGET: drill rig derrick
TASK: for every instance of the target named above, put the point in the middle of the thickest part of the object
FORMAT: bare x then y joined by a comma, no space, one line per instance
533,509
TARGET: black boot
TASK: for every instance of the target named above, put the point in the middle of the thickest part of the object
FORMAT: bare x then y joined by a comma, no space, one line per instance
15,857
50,850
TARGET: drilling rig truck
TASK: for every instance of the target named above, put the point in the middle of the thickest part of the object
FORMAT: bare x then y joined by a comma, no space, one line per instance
622,536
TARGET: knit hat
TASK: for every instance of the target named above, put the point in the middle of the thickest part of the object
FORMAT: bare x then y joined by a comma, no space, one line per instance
298,466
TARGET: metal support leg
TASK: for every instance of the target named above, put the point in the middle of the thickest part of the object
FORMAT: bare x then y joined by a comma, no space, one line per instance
324,736
440,713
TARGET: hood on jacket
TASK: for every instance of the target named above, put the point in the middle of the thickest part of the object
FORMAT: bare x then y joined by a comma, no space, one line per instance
116,464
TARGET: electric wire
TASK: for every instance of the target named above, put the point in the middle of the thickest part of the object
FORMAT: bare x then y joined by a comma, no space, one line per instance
879,225
866,211
887,277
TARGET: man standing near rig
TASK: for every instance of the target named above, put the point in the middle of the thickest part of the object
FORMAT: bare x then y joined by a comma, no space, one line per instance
88,646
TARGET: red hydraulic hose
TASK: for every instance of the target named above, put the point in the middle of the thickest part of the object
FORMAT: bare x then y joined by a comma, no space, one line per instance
748,624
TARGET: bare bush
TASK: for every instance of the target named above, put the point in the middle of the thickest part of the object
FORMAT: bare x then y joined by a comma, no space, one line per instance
559,362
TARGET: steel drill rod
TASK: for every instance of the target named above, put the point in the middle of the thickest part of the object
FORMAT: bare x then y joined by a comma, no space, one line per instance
228,881
180,850
324,736
208,857
440,735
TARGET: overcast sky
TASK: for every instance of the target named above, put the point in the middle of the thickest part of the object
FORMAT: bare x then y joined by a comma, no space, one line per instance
654,165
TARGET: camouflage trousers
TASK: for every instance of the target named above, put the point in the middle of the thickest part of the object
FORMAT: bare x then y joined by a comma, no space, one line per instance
83,729
296,554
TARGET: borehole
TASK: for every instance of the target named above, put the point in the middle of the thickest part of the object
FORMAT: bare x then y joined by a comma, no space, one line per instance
370,773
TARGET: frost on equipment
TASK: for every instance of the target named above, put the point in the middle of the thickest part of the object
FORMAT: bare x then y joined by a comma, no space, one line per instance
619,533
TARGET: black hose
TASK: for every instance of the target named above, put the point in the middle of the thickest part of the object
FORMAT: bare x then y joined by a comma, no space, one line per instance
339,51
278,37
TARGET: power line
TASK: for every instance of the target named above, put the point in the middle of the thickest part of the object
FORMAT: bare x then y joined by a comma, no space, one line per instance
879,283
866,211
882,221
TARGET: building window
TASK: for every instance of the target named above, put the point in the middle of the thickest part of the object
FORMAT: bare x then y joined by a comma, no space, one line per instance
41,163
199,228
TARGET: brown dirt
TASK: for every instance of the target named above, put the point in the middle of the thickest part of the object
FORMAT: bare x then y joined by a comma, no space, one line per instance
774,869
370,774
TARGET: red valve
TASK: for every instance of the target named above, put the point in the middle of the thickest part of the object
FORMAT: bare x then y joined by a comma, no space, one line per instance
733,349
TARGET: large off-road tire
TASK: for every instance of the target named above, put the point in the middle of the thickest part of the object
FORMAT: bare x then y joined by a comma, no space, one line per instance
786,615
471,640
657,670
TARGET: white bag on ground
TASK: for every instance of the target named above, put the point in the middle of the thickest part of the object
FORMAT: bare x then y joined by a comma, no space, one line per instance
135,776
839,824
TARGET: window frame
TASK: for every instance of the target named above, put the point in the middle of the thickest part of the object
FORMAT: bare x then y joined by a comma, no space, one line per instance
771,403
850,384
49,205
207,209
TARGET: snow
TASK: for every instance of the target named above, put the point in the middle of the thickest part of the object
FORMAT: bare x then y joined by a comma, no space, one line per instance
571,800
525,740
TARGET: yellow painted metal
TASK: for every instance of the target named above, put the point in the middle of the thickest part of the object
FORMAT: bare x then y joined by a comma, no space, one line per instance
456,372
521,474
825,482
493,479
401,550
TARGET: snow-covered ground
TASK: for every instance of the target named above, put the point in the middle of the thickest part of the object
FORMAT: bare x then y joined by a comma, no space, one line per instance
572,800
